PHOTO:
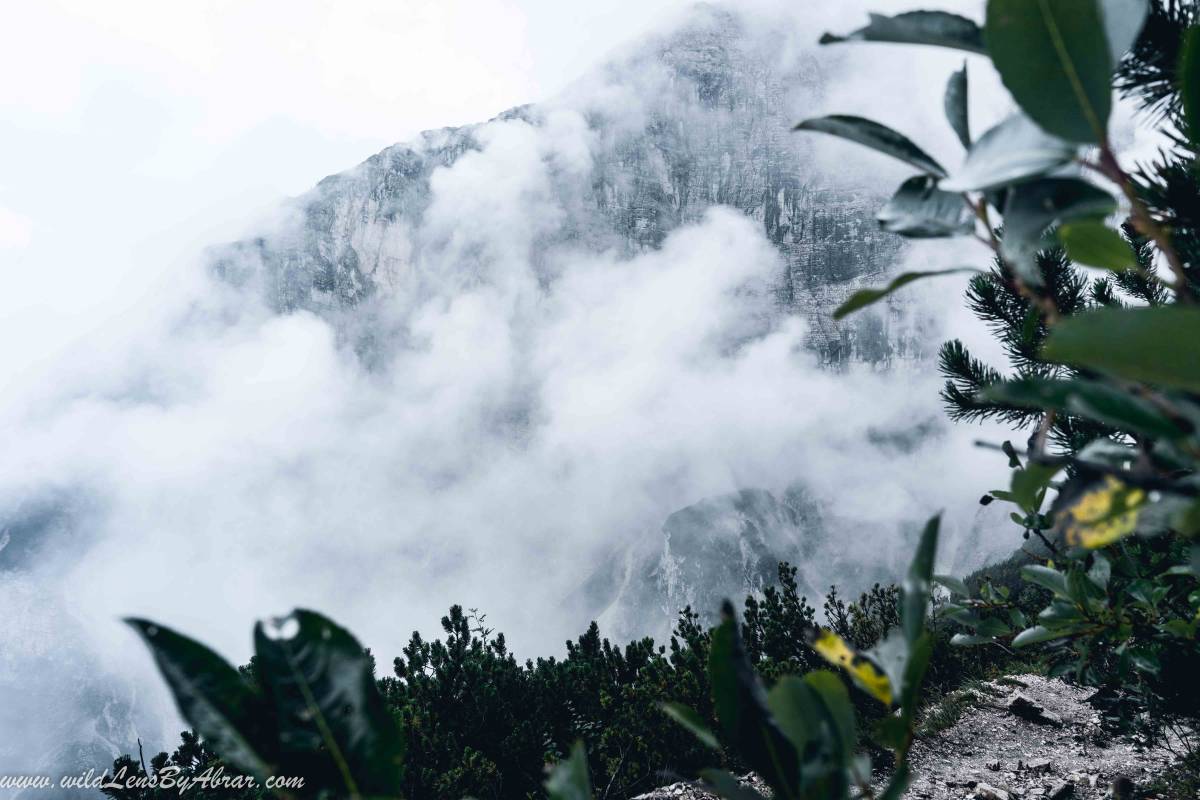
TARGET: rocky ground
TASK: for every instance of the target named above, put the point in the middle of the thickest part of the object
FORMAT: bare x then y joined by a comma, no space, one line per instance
1020,738
1031,737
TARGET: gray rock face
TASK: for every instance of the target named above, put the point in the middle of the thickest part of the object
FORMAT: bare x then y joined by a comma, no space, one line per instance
724,547
687,121
721,548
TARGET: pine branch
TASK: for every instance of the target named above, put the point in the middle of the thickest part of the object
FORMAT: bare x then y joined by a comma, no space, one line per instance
966,377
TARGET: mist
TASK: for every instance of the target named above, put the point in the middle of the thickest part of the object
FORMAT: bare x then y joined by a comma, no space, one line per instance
177,450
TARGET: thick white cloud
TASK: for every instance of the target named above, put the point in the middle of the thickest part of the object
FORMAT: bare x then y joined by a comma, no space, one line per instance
232,464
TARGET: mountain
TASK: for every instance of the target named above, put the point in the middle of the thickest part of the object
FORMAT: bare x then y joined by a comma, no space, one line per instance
685,121
697,117
718,548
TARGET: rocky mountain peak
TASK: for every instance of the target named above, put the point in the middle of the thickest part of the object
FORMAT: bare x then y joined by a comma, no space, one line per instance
690,119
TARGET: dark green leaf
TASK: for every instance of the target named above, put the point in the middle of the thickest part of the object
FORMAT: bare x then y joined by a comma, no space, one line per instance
836,701
891,732
1145,661
213,698
919,656
1189,76
1059,613
1054,57
741,707
1012,151
865,297
917,582
1029,484
692,721
990,626
918,27
1092,399
1036,205
1035,635
796,709
569,779
816,715
1047,578
1151,345
955,104
920,210
323,687
875,136
1094,244
1187,520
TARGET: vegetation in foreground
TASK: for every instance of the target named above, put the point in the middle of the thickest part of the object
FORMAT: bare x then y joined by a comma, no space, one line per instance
1103,380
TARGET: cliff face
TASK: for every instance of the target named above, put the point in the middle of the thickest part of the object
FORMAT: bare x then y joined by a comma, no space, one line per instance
697,118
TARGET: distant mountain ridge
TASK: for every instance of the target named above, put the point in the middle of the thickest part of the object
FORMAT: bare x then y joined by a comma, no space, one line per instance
702,118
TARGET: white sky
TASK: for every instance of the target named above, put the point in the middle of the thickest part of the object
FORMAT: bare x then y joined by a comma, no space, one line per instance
132,132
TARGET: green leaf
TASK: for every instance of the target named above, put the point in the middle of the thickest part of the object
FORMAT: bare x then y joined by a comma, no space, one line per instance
920,210
917,582
920,653
836,702
1189,77
1012,151
215,700
865,297
569,779
1036,635
1029,485
323,687
816,715
1141,590
1034,206
1151,345
955,103
1187,519
1055,60
891,732
1047,578
796,709
690,720
1094,244
955,585
741,707
875,136
1059,613
1123,21
727,786
918,27
990,626
1091,399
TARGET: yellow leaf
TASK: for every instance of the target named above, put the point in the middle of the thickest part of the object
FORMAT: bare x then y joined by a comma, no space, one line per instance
869,678
1102,515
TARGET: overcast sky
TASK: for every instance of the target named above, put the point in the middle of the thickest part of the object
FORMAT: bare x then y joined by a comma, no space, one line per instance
135,131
